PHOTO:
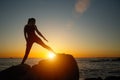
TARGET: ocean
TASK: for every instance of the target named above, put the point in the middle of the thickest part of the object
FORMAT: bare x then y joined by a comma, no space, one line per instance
88,67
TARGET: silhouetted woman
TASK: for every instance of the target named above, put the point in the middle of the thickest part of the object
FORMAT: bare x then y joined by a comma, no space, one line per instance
31,37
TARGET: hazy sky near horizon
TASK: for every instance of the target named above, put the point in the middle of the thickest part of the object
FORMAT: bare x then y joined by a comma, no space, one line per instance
80,27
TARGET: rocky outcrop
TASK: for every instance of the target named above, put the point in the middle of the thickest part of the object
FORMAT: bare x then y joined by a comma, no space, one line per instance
62,67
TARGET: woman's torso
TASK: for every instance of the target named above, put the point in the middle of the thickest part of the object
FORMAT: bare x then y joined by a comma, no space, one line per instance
30,30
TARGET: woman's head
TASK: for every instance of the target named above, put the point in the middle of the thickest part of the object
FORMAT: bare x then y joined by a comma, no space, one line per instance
31,21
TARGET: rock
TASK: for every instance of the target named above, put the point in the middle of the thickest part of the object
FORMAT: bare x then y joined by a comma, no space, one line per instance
116,59
15,72
63,67
112,78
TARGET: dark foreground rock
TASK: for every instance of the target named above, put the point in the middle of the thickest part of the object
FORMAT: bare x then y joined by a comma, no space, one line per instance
63,67
18,72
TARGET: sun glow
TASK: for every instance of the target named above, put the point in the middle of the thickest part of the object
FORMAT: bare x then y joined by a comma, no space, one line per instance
51,55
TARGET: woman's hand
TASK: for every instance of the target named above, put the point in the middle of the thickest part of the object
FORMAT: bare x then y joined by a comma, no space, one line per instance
45,39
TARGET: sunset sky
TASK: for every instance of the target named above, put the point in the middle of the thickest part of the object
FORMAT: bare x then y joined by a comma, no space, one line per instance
83,28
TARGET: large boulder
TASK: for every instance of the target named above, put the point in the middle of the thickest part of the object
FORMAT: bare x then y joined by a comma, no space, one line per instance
62,67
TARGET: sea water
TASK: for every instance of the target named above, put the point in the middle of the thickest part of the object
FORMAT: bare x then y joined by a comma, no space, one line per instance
88,67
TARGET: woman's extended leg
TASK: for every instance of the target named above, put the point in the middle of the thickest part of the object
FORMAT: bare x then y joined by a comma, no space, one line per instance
28,47
39,41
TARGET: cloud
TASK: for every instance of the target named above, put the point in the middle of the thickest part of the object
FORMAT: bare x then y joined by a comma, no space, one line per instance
81,6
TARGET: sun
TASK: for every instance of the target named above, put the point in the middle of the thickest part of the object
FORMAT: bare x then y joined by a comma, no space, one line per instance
51,55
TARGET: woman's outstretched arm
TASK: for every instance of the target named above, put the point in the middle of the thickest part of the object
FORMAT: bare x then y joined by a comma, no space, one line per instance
40,34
